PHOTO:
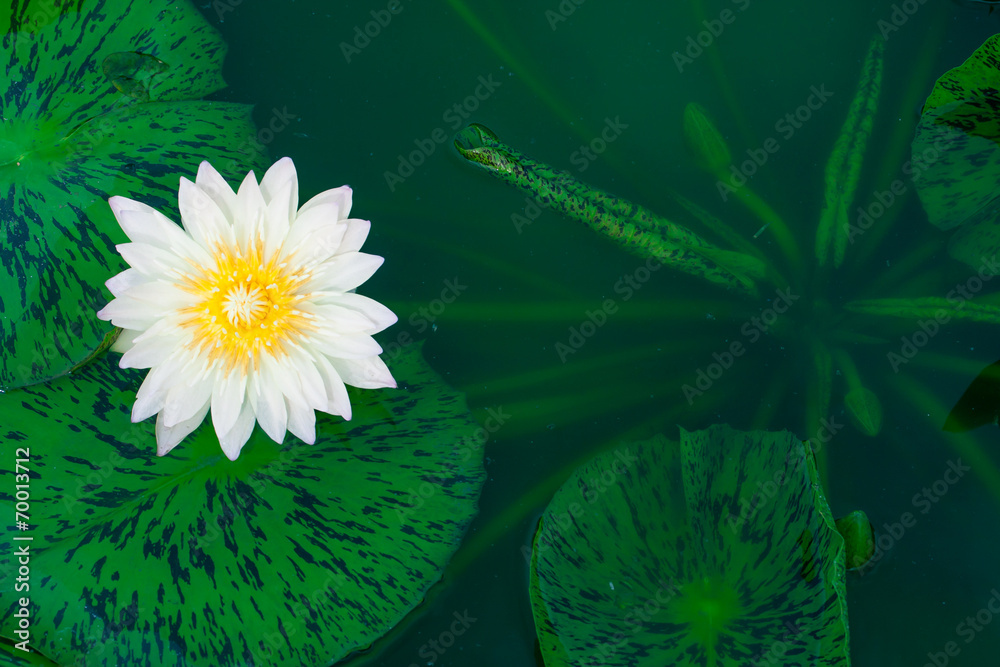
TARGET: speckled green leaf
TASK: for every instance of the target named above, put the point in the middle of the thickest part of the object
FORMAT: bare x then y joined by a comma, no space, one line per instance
71,138
956,154
291,555
634,227
720,551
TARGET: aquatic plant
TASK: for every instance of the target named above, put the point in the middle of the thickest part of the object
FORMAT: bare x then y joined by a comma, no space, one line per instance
99,98
719,550
824,338
956,151
289,555
249,309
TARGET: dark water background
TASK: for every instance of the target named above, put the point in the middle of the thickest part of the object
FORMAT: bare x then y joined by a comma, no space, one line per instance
551,88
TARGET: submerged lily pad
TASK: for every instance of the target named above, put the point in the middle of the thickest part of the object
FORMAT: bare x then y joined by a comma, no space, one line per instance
291,555
720,551
100,99
956,154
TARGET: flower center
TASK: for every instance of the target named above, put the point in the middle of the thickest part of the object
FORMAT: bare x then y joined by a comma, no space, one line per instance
244,306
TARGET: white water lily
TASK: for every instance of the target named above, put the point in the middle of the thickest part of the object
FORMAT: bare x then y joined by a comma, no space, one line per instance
248,310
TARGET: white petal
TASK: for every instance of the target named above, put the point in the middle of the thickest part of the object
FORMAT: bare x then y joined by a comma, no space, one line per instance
153,391
215,186
356,346
168,437
228,397
339,197
346,272
270,408
125,280
233,441
354,237
144,224
379,316
125,340
367,373
148,351
202,217
151,261
335,318
308,381
314,236
184,401
281,184
129,313
248,219
302,422
339,401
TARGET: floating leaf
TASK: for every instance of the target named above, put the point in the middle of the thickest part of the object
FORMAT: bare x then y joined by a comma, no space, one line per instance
956,154
859,538
291,555
69,139
719,551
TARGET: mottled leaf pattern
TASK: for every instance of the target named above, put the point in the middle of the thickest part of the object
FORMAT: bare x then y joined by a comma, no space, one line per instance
634,227
291,555
956,154
720,551
70,139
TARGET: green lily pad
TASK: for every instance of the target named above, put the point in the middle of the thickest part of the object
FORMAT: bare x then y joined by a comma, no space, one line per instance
291,555
99,101
956,154
720,551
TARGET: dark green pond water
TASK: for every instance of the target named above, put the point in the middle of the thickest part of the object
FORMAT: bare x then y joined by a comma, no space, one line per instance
379,113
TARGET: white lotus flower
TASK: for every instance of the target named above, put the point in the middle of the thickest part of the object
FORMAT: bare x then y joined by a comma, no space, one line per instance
248,310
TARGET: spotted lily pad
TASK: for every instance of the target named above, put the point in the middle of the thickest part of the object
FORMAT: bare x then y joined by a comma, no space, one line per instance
956,154
291,555
98,98
721,551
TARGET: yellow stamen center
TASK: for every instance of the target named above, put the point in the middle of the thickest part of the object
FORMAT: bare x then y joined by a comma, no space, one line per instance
243,306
